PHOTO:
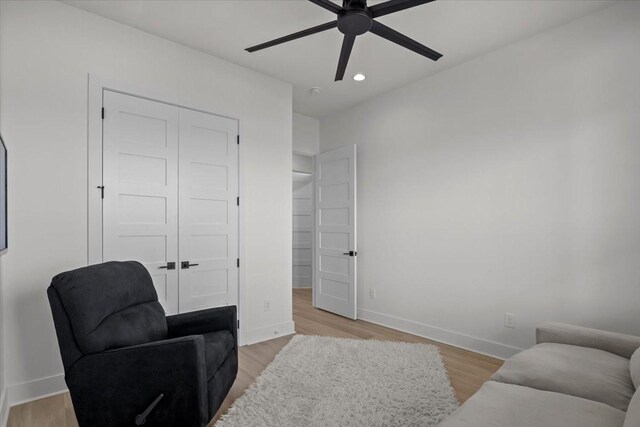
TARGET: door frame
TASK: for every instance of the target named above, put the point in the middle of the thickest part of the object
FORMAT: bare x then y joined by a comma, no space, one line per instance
95,86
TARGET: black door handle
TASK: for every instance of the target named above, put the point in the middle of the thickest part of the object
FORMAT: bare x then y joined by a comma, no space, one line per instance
169,266
185,265
350,253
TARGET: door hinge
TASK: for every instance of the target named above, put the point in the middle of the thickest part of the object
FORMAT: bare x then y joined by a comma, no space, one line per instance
238,139
238,323
101,188
237,201
102,113
238,262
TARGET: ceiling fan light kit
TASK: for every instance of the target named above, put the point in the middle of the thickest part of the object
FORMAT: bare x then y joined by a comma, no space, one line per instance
355,18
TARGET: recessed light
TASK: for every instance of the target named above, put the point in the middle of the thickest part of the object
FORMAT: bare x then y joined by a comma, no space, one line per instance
359,77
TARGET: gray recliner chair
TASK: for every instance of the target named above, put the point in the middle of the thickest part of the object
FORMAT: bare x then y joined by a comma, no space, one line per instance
126,363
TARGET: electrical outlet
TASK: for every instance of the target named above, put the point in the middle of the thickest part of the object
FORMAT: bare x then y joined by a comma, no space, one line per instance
509,320
267,305
372,293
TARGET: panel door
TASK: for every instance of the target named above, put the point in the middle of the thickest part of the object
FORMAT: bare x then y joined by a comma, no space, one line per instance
208,212
140,178
335,250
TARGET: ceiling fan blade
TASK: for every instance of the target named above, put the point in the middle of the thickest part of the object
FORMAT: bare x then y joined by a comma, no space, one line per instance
327,4
345,52
391,6
303,33
404,41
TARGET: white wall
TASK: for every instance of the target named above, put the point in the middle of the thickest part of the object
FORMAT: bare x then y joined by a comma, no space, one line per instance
509,183
47,50
4,409
4,401
306,135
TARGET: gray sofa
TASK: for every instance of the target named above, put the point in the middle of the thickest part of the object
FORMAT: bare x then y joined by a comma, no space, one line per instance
572,377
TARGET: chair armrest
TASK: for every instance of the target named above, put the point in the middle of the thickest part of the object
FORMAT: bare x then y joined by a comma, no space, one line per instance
120,384
204,321
562,333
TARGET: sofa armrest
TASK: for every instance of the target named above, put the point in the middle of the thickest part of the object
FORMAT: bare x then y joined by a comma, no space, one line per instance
562,333
204,321
120,384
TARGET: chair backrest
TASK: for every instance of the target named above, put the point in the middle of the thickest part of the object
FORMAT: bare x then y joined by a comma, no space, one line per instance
105,306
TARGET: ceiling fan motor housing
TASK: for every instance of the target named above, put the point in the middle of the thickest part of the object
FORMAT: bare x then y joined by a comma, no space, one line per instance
355,18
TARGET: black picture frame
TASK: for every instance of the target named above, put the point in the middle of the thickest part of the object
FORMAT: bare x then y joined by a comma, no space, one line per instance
4,225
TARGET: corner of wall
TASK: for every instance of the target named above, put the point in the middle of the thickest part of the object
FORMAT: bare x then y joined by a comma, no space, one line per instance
4,408
270,332
40,388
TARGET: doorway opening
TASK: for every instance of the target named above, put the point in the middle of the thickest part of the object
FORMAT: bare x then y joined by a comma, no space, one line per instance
324,229
303,220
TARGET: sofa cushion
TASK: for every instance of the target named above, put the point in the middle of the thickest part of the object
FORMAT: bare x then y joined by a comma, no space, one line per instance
634,368
506,405
577,371
111,305
633,412
612,342
217,347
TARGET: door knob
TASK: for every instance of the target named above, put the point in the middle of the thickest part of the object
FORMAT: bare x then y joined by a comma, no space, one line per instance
169,266
185,265
351,253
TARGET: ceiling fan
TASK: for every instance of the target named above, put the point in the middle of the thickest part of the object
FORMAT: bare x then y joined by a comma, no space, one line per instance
354,19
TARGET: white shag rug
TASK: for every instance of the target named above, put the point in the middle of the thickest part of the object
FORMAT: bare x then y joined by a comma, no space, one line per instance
324,381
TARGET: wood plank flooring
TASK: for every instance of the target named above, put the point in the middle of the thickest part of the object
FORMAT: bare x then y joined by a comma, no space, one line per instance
466,369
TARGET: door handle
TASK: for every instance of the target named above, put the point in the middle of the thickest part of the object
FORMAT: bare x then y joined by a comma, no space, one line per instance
185,265
350,253
169,266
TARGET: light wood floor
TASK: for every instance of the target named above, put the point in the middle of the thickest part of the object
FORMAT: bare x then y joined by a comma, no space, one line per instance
466,369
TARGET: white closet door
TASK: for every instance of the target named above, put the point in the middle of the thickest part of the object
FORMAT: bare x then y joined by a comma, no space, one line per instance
335,243
208,213
140,178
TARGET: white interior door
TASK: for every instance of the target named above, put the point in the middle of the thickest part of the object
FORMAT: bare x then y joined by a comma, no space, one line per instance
335,243
140,179
208,211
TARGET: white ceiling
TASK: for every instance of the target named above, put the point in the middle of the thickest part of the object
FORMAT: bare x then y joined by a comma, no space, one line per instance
461,30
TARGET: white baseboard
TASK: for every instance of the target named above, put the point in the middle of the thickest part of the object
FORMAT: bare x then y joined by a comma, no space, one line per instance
4,408
49,386
477,345
269,332
36,389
